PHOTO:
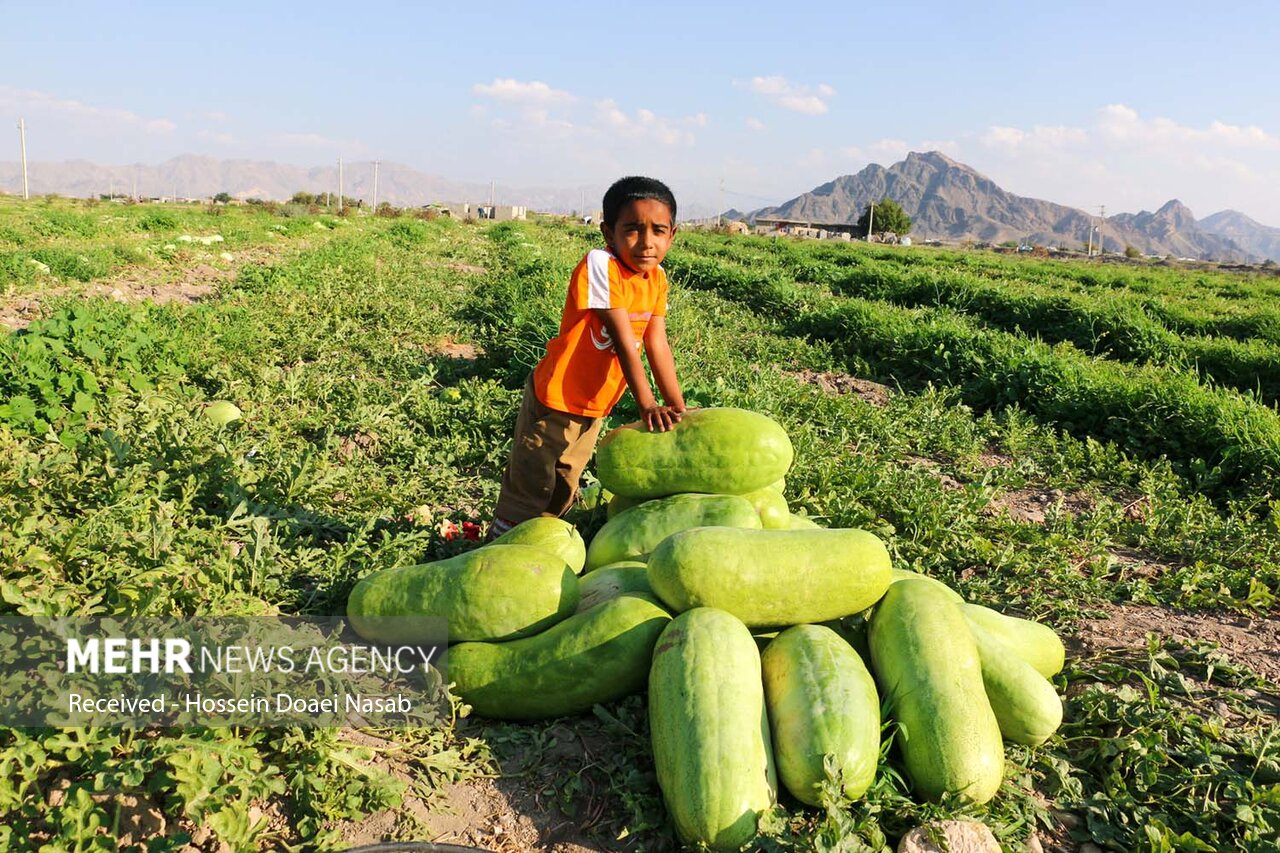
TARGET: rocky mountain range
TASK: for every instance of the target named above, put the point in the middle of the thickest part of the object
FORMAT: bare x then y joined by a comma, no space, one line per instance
193,176
1257,238
950,201
946,200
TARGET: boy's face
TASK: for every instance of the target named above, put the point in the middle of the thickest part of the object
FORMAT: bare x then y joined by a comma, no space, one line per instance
642,235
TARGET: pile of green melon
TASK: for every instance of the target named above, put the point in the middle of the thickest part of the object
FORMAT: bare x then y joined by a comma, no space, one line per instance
769,645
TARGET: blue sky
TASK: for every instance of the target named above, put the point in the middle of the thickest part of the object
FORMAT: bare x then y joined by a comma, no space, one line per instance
1122,104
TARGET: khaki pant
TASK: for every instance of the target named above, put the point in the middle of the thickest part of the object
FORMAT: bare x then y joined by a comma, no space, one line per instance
548,453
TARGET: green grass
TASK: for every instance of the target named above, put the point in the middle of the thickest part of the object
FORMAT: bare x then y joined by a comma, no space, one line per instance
117,497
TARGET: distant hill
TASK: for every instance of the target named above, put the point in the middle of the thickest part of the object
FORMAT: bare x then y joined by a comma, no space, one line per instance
947,200
192,176
1249,235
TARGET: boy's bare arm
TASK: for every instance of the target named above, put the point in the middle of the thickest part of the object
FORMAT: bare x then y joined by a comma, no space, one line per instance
617,321
658,351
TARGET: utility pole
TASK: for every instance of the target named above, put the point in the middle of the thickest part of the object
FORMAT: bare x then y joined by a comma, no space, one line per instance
871,218
493,189
1102,212
720,206
339,185
22,135
1102,217
375,186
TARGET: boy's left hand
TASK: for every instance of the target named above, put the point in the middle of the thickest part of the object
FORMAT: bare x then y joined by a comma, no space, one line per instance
661,418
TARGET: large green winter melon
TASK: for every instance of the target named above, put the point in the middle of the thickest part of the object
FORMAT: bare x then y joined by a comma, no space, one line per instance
619,503
1035,643
907,575
552,534
638,530
710,731
1025,703
717,451
772,508
926,663
771,577
598,655
498,592
612,581
821,700
795,521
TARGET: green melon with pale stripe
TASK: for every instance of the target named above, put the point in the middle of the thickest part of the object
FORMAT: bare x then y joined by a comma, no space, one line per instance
595,656
710,731
1035,643
498,592
821,701
771,577
551,534
638,530
1025,704
611,581
772,508
927,666
801,522
721,451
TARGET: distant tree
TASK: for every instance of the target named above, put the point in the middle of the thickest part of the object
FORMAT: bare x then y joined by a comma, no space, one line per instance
222,197
889,216
303,197
1132,252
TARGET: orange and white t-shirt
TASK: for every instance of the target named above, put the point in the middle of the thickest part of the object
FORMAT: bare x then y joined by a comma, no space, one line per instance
580,373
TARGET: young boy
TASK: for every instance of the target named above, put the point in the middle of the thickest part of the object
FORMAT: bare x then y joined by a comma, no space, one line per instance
617,300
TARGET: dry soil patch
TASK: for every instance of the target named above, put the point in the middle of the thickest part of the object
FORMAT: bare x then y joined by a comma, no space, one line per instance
1031,505
842,383
158,284
1248,641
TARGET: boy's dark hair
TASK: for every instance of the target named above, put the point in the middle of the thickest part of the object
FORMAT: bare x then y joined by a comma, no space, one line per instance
635,188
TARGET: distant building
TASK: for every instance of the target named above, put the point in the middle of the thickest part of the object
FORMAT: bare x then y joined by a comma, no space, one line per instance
467,210
806,228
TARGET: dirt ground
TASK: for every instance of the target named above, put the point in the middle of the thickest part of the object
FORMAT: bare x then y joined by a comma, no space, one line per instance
842,383
158,284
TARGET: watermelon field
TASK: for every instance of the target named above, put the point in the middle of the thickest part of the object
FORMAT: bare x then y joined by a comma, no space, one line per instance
1092,446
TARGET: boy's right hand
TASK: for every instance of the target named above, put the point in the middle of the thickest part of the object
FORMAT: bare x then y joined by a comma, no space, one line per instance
661,418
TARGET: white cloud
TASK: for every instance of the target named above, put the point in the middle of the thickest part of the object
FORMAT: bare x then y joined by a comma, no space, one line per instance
29,102
1122,123
754,123
1131,162
889,151
790,96
519,92
1038,137
647,124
